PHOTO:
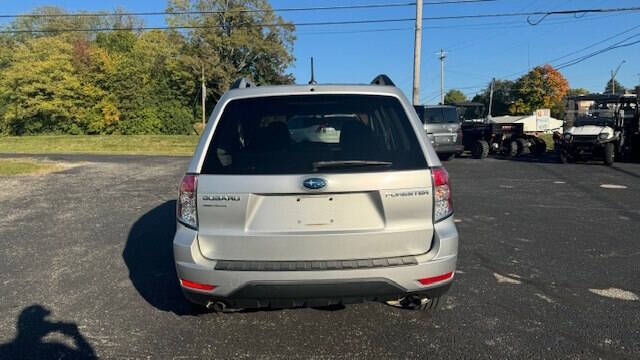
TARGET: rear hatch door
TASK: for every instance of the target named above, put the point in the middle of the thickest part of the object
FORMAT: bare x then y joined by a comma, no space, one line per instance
265,192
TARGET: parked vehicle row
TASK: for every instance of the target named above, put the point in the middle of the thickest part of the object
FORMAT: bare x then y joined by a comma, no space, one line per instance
453,130
609,131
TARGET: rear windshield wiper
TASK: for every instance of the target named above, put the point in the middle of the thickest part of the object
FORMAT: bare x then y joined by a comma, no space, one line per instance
348,164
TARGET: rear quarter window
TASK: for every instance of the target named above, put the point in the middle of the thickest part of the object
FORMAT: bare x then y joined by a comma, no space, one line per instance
293,134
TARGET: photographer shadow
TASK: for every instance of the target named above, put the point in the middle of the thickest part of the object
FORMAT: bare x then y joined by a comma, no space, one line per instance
33,327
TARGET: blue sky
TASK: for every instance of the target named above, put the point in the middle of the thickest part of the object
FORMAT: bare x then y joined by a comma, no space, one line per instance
478,49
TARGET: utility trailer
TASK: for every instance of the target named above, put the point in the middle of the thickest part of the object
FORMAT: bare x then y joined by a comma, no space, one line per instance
481,137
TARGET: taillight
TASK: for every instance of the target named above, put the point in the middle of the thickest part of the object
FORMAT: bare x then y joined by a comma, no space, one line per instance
187,206
442,206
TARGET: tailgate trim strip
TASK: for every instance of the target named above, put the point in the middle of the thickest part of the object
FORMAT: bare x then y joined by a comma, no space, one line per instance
241,265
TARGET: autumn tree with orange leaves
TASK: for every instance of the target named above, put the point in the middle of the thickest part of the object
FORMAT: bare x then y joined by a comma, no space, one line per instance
543,87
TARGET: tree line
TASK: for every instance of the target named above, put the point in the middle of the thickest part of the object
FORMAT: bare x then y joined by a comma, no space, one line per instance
133,81
541,88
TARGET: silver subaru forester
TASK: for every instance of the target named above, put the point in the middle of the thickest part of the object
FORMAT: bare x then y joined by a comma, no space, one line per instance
314,195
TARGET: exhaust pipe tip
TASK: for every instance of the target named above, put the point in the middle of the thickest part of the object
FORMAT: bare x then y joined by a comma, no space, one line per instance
216,306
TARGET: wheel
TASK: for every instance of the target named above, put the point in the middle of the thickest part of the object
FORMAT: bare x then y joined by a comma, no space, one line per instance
510,148
564,157
428,305
523,146
446,157
480,149
609,153
540,147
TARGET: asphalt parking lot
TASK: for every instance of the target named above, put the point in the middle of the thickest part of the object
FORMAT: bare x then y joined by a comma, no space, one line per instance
549,267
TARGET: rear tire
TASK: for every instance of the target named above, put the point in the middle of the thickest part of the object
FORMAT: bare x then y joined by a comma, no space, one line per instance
609,153
510,148
564,157
540,147
480,149
523,147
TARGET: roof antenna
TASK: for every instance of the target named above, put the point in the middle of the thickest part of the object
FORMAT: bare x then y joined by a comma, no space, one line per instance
313,80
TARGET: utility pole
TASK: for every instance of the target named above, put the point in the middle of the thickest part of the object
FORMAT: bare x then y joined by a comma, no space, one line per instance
613,77
417,48
491,97
442,56
204,97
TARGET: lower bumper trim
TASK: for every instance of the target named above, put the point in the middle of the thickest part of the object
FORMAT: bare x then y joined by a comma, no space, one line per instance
313,294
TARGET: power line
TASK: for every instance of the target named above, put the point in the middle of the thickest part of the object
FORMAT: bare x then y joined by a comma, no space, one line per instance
190,27
619,44
478,26
353,31
534,13
580,50
293,9
455,2
578,60
347,22
595,43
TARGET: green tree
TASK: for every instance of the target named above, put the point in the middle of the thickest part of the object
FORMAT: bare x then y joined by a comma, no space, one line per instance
503,97
117,42
577,92
132,81
51,22
41,89
154,85
620,89
454,96
6,58
231,43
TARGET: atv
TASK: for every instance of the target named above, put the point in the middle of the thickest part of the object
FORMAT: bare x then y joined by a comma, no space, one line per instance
608,131
481,137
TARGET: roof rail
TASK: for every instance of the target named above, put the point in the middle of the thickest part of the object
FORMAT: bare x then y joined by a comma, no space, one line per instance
382,79
242,83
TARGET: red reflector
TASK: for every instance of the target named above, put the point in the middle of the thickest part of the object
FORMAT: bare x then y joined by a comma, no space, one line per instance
195,285
435,279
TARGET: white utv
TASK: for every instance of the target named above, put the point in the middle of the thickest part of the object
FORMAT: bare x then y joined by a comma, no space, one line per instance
607,131
271,214
591,136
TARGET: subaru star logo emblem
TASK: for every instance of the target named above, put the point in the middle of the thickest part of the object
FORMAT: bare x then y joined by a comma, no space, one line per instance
314,183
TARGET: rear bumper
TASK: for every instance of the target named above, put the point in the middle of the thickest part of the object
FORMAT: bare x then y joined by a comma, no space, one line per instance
316,287
312,293
448,148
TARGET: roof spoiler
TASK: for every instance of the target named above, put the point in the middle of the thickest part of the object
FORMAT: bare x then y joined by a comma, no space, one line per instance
382,79
242,83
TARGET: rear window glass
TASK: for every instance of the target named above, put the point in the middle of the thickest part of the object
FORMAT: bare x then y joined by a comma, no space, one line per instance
313,133
440,116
